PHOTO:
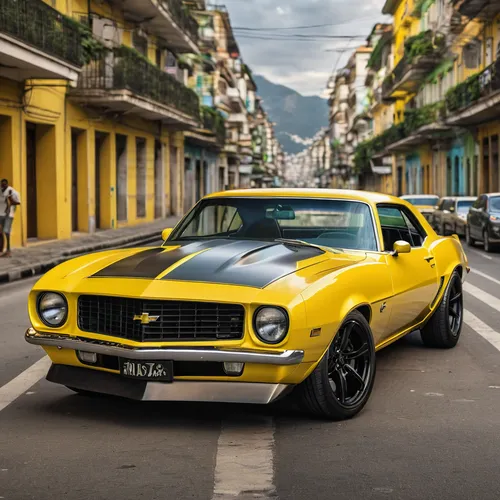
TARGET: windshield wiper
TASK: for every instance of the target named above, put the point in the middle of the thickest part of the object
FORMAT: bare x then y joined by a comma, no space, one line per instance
288,241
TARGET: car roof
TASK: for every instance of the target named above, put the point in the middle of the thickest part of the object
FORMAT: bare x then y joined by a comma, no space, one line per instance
406,196
491,195
458,198
348,194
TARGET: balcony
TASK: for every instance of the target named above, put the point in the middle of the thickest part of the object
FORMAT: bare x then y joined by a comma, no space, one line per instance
36,41
122,81
166,19
422,54
477,100
213,131
483,9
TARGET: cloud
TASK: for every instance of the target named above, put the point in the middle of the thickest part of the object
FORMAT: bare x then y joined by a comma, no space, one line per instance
302,65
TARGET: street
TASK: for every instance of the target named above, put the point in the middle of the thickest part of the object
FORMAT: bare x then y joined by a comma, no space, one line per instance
430,429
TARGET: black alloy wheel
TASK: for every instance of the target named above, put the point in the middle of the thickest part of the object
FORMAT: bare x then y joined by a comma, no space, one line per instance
342,382
445,325
455,308
349,364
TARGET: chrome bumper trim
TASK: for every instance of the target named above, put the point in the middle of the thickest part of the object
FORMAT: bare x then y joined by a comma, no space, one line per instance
294,357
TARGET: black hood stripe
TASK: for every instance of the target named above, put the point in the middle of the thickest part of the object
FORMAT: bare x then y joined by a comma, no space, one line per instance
256,267
235,262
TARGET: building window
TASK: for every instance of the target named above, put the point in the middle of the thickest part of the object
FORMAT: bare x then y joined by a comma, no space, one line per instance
140,43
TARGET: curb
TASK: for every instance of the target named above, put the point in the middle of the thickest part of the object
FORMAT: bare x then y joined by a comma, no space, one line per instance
43,267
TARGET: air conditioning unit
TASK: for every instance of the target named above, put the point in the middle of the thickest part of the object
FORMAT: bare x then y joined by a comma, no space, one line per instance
107,32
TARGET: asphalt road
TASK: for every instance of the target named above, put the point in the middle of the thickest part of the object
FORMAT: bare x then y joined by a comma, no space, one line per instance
429,431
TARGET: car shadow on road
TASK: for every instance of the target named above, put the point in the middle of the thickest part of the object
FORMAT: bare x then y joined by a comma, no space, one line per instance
178,414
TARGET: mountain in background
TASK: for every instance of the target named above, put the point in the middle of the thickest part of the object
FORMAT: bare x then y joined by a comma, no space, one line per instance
298,118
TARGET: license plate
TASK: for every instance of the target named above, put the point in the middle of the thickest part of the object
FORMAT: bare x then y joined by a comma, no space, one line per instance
147,370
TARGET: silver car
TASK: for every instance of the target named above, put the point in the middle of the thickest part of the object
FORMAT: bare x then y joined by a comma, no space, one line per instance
450,217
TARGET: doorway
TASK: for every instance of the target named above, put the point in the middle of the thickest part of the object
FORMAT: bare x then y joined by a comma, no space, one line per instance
449,173
174,181
468,173
31,200
485,177
121,177
456,177
74,180
400,181
198,180
140,172
159,180
101,139
494,164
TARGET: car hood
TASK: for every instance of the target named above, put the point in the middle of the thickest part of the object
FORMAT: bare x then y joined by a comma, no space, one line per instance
212,270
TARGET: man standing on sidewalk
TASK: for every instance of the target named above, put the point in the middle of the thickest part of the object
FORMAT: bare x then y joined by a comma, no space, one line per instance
11,197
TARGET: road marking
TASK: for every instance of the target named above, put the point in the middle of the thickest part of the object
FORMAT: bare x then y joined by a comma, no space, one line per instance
484,255
485,276
24,381
244,462
487,298
481,328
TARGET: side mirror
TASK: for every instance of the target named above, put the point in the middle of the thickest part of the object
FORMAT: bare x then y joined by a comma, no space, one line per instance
401,247
166,233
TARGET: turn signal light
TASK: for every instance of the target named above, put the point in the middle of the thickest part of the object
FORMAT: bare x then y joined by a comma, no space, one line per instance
233,368
87,357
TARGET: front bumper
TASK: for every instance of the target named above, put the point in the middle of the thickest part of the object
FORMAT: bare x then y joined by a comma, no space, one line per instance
294,357
95,380
214,392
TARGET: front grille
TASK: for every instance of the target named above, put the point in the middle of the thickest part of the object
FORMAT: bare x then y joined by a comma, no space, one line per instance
177,320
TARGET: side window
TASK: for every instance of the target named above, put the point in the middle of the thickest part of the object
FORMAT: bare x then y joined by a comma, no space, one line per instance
482,202
448,204
398,224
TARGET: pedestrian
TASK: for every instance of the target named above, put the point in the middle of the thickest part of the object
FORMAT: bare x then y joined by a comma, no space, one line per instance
11,197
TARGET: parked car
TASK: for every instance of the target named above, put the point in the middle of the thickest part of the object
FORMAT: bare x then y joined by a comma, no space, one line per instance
450,217
425,203
255,294
483,221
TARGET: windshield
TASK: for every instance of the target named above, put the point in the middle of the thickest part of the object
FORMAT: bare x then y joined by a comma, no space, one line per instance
464,206
495,204
331,223
423,202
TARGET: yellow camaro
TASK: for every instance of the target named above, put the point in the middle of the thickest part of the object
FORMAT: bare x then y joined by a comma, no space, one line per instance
254,295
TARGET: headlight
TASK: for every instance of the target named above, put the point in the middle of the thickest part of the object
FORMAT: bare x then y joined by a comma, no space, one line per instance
271,324
52,309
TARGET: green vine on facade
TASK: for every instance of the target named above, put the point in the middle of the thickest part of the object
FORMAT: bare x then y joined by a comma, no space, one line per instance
92,49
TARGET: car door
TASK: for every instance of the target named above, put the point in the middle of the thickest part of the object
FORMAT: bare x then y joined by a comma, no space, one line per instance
414,275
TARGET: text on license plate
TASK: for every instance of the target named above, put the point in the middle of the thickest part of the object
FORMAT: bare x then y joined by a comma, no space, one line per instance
147,370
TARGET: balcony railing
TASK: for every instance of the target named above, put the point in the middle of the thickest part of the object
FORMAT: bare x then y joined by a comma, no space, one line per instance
471,90
213,120
35,23
182,17
125,69
422,53
414,120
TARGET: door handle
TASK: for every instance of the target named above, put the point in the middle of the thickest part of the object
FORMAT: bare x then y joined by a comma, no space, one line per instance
428,259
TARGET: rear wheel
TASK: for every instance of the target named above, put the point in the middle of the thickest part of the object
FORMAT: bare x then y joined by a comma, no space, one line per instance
342,382
469,240
444,327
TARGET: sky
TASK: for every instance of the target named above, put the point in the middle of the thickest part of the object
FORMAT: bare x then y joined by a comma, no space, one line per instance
302,65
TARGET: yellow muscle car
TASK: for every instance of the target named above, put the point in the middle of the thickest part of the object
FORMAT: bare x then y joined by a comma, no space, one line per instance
254,295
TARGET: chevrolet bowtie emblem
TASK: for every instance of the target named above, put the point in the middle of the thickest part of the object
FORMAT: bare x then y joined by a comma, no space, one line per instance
145,318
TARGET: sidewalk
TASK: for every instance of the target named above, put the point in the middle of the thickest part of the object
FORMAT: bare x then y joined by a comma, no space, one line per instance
39,258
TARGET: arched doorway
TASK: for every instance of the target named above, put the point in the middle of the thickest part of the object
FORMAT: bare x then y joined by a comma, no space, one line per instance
456,177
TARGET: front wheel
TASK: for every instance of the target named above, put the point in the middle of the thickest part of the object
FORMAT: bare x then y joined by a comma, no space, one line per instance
487,243
468,239
445,325
342,382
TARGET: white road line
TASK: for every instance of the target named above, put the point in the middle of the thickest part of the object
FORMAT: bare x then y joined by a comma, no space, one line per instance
482,329
484,255
19,385
483,296
485,276
244,463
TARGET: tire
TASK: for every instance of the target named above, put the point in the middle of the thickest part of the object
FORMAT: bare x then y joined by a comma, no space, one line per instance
444,327
326,392
486,242
468,239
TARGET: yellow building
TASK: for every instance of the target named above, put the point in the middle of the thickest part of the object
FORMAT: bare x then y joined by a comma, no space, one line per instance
91,134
